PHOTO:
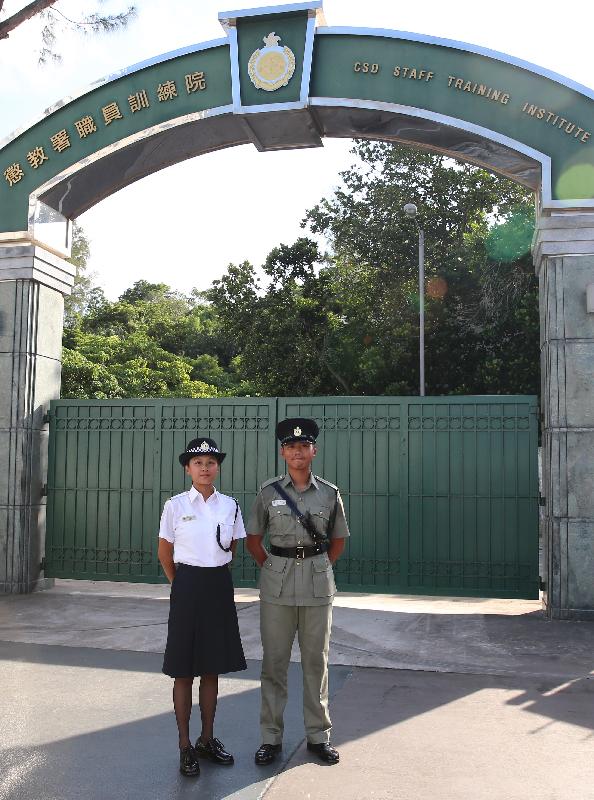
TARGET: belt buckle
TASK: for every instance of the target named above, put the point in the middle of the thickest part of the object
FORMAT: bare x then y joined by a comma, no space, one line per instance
300,552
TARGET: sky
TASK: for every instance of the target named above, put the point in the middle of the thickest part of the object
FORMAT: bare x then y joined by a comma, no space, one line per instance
136,234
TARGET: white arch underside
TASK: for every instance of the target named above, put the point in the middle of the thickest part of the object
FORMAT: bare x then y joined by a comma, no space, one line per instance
86,183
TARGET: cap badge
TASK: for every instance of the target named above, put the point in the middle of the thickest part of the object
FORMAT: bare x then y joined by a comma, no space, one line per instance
272,66
297,431
204,447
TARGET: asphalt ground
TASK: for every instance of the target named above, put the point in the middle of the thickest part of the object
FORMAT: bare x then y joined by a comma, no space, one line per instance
431,698
97,724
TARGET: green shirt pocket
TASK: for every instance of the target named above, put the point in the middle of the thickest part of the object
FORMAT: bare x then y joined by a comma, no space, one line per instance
323,577
280,521
321,519
272,575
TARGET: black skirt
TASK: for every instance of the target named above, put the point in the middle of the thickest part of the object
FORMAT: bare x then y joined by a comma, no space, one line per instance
203,634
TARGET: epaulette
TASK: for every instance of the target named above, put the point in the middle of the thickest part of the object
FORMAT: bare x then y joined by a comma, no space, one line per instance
271,481
323,480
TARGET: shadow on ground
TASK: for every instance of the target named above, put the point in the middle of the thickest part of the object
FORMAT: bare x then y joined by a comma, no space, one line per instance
97,724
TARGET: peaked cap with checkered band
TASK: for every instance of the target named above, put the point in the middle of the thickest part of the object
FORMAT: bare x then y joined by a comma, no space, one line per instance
203,446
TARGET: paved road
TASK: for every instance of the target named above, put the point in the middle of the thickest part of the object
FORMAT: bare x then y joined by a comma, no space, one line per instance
442,698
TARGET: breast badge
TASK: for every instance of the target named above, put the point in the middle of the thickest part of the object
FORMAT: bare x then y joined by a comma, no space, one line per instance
272,66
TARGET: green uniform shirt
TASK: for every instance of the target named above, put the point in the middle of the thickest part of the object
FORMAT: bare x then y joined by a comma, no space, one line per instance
290,581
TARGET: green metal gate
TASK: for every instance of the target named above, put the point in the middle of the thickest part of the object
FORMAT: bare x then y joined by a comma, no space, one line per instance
441,493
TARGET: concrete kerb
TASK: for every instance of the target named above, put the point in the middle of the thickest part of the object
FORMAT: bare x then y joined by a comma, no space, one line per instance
438,634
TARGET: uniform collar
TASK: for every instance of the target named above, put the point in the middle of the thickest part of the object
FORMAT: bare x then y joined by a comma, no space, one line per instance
194,493
287,480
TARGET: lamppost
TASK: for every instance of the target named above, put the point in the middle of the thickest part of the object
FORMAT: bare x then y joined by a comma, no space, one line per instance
410,210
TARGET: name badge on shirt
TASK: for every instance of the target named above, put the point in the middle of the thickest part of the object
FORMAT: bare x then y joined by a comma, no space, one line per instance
279,502
188,517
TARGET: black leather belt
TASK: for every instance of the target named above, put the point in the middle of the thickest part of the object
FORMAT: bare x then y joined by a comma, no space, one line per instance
303,551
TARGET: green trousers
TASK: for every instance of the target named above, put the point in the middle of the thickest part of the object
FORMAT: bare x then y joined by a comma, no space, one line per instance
278,625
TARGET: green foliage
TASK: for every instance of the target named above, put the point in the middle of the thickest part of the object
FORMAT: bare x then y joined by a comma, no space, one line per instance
283,335
134,366
84,378
481,296
344,322
151,342
348,323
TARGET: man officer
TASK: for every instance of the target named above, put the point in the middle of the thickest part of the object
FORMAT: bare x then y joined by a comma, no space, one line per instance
304,518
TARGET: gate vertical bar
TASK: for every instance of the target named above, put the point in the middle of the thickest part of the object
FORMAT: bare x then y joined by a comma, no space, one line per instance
404,512
51,479
156,487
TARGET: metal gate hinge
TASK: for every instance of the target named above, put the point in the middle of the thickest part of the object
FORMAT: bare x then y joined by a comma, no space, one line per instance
44,490
42,564
541,584
47,417
542,501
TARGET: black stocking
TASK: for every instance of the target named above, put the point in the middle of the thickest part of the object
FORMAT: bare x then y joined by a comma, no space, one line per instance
182,705
209,690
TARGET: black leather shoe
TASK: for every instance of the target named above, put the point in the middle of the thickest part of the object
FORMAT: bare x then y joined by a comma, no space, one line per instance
188,762
213,750
266,753
325,752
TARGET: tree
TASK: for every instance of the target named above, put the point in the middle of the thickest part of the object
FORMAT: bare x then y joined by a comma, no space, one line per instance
283,336
151,342
478,231
85,296
347,323
55,21
107,366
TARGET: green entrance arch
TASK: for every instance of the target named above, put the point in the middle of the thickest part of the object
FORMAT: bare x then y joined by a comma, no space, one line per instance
281,79
480,106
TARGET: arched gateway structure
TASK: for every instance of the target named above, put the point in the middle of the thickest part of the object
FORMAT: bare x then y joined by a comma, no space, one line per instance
281,79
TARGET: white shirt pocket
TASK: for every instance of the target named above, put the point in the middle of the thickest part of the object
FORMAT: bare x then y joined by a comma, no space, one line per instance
225,535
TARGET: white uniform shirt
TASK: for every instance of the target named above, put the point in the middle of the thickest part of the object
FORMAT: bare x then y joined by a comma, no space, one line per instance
190,523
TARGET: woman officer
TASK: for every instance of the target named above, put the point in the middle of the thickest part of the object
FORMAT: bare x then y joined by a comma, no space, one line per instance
197,539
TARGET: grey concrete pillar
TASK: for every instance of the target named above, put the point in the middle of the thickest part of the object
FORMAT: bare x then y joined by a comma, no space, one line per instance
33,283
564,261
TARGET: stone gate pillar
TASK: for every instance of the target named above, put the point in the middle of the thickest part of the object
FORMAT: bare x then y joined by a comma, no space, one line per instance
33,282
564,261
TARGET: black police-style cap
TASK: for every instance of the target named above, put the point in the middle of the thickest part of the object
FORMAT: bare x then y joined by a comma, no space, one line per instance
297,429
202,446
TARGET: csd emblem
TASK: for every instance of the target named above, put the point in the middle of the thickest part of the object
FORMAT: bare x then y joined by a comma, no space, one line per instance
272,66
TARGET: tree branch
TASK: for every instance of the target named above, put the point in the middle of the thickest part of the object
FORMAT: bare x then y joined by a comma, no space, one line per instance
8,25
323,356
336,376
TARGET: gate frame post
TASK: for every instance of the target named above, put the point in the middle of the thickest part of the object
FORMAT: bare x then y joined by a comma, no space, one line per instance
564,261
33,283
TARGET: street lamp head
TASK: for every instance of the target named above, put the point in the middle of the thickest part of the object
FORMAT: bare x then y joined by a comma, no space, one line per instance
410,210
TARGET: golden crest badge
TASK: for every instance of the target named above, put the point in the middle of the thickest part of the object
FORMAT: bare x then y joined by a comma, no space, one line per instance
272,66
296,431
